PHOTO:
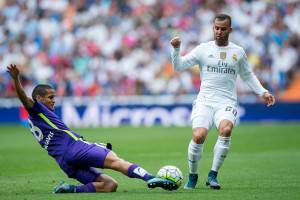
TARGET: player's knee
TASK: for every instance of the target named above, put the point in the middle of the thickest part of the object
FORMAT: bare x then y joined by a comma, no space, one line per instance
112,186
107,186
111,161
225,131
199,136
198,139
116,165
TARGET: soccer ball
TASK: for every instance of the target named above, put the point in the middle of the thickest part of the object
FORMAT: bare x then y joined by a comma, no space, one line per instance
171,173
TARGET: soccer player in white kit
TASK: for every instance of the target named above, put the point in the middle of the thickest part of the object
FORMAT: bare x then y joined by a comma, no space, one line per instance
220,61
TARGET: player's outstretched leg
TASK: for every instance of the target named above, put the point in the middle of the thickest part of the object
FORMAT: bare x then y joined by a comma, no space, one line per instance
112,161
163,183
191,184
212,180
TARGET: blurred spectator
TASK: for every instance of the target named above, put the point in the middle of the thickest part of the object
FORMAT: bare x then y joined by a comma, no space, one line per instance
106,47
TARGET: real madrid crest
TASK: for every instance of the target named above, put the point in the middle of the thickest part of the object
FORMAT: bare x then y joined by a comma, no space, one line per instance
223,55
234,57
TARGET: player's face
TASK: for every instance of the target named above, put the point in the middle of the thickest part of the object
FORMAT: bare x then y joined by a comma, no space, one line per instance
49,99
221,30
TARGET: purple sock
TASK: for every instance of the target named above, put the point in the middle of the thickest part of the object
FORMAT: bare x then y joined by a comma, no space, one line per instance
135,171
88,188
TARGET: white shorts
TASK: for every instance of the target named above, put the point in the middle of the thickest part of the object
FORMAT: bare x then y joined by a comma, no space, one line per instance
205,116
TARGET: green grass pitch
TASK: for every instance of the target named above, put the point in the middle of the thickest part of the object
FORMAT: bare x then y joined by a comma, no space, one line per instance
263,163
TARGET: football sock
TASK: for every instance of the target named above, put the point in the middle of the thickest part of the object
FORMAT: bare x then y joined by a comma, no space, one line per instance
135,171
220,152
194,155
85,188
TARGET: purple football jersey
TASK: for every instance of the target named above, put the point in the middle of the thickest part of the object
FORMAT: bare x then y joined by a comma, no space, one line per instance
52,134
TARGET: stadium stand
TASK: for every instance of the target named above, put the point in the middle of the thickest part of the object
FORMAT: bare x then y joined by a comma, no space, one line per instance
114,47
292,93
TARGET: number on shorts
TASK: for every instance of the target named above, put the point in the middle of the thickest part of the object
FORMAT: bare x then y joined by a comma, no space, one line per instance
36,132
231,109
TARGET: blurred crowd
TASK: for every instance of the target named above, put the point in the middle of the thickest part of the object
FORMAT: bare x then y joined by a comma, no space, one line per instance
121,47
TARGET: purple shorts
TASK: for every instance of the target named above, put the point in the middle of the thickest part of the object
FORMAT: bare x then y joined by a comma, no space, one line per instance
81,159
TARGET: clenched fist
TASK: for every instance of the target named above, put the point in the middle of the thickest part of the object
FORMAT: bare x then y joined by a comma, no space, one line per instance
175,42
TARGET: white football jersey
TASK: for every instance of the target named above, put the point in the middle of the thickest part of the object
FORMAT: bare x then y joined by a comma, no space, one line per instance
219,67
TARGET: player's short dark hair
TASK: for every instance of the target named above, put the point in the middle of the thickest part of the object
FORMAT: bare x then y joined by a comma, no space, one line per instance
40,89
223,17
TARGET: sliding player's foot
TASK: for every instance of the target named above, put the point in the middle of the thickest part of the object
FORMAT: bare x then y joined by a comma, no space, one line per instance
64,188
163,183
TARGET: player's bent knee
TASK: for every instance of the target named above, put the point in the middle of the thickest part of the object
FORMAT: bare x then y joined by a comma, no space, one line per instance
199,136
111,186
108,186
114,186
225,131
198,139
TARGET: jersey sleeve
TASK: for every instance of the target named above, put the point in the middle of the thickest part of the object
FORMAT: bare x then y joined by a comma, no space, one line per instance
184,62
248,76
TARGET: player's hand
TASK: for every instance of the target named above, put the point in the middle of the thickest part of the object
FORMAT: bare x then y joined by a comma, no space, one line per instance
269,98
175,42
13,71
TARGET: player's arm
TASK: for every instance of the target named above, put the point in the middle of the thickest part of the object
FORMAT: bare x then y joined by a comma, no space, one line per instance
251,80
15,75
182,62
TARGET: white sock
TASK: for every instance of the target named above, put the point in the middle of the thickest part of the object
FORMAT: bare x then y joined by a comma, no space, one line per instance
194,154
220,152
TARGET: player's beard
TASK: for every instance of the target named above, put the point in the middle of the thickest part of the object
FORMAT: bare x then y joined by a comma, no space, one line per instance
222,41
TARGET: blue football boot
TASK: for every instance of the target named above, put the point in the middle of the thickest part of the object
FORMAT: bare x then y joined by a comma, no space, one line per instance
64,188
163,183
191,184
212,180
